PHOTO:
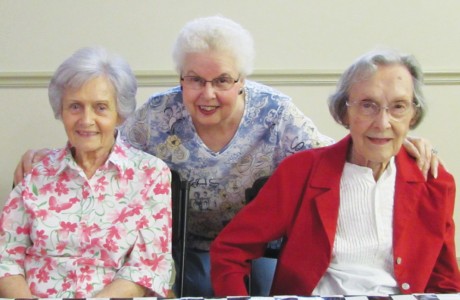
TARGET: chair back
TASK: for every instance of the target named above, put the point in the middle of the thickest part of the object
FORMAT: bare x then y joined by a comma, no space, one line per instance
179,194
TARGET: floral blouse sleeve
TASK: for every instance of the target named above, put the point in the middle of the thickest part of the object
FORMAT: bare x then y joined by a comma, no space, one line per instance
14,238
149,263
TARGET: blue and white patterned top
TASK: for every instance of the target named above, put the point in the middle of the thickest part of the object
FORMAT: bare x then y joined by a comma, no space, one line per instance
271,129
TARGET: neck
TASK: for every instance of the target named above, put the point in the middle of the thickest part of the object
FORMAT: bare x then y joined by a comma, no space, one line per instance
377,167
90,162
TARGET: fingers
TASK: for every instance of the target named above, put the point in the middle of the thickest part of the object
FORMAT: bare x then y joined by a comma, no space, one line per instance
435,161
421,149
28,159
24,166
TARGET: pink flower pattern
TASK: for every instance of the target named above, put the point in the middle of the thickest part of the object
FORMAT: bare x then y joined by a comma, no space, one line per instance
70,236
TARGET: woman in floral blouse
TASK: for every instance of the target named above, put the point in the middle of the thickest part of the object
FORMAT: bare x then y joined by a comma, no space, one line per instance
92,219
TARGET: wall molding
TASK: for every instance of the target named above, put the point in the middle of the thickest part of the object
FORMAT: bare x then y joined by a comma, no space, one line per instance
270,77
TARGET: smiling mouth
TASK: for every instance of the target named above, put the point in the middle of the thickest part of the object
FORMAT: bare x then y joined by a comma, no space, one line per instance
379,140
208,108
86,133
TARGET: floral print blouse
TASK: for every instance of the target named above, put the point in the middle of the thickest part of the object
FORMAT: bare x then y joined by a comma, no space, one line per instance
272,128
70,236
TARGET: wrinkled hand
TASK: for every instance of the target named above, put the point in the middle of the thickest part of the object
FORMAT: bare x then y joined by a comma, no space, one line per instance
28,159
422,150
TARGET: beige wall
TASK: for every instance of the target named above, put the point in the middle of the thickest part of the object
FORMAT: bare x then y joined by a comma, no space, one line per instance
301,47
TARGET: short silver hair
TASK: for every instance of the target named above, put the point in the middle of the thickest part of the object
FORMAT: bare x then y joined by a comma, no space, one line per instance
215,33
86,64
364,67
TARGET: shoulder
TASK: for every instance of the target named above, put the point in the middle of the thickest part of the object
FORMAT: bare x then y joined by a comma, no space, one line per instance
53,159
328,160
171,94
334,154
407,167
257,90
266,100
444,180
128,154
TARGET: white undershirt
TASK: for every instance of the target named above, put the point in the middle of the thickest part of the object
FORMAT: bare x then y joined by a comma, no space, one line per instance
362,257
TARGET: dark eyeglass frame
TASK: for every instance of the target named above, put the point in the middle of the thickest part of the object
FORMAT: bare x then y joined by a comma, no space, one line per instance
214,82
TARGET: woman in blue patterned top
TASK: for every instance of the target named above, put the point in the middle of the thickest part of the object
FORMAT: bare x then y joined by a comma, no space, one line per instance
221,131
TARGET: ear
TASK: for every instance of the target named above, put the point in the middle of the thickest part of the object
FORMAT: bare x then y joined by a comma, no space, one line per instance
345,120
413,119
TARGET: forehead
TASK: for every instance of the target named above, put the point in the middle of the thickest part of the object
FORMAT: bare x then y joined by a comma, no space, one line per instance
209,64
97,89
388,81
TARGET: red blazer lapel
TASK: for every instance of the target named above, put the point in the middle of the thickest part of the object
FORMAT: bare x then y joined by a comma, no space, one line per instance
326,178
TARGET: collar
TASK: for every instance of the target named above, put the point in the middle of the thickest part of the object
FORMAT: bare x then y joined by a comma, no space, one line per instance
331,162
118,158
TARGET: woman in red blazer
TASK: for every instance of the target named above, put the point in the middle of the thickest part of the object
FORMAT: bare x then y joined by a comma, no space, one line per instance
357,217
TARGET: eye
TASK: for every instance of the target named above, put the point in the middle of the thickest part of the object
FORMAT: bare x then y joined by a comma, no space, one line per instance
367,104
223,80
399,108
101,107
74,106
399,105
195,79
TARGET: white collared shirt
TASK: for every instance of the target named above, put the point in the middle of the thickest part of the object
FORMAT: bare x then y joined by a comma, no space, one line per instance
362,257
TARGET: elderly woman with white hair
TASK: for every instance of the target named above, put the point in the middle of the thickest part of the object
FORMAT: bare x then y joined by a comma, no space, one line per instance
92,219
357,217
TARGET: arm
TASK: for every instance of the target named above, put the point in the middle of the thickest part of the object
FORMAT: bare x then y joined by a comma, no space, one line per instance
150,264
14,286
266,218
445,277
13,245
121,288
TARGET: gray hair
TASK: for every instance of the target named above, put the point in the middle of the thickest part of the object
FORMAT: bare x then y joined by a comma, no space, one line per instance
216,34
86,64
364,67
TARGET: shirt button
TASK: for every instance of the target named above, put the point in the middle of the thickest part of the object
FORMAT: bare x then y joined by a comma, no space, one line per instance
398,260
405,286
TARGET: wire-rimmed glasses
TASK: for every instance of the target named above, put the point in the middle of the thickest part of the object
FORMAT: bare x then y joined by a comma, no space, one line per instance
397,110
221,83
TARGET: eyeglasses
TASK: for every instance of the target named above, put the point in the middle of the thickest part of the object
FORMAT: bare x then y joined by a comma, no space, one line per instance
397,110
221,83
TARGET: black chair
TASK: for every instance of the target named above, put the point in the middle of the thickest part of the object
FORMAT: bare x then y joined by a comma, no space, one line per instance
179,194
273,248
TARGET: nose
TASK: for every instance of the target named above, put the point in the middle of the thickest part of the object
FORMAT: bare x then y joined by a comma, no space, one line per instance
208,90
87,118
383,118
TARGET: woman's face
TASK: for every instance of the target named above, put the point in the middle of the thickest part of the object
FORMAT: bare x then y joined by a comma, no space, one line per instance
208,106
90,116
378,138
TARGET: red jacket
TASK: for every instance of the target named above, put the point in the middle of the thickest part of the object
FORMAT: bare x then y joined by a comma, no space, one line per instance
301,202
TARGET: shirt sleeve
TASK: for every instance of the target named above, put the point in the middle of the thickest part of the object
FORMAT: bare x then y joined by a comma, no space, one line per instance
297,132
136,129
14,233
445,277
150,262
